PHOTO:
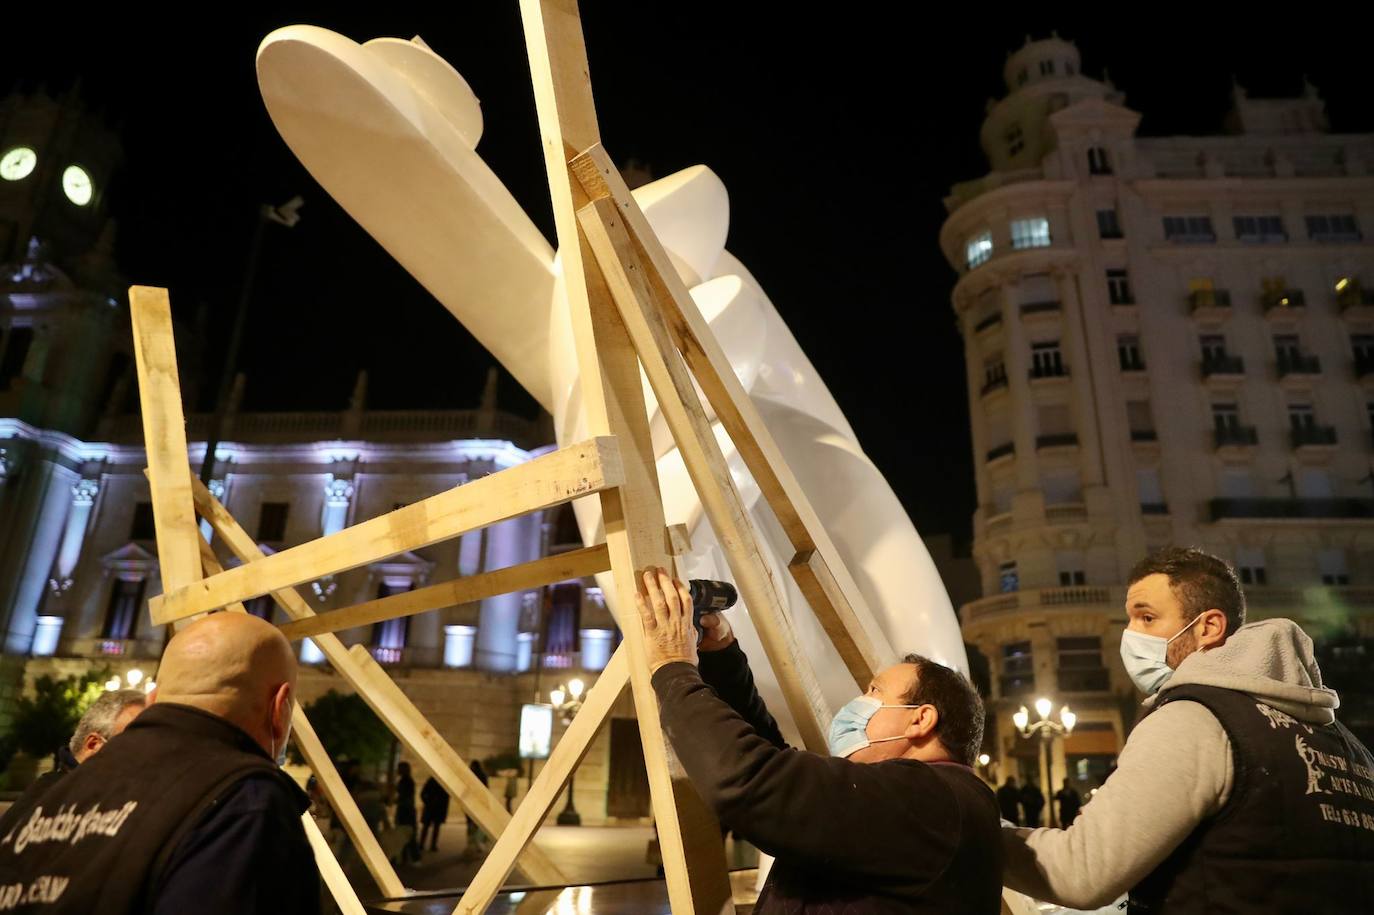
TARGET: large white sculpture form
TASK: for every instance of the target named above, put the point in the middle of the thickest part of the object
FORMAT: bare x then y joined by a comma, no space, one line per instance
389,129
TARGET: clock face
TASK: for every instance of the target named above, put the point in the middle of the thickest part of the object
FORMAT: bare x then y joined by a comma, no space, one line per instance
77,185
18,163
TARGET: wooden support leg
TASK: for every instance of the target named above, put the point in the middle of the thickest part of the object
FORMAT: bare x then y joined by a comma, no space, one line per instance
693,856
529,816
183,554
624,275
358,829
164,432
334,877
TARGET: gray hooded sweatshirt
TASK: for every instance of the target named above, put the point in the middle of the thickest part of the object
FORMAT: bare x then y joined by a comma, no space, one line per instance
1174,772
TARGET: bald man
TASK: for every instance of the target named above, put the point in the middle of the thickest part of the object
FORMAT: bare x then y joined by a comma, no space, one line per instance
188,811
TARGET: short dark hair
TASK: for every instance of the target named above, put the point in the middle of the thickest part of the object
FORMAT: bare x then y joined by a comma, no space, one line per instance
1199,580
960,710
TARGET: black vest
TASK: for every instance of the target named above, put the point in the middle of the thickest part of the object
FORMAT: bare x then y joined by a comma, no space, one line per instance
96,841
1297,833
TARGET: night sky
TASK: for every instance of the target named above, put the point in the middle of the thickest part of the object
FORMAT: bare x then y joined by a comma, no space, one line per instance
838,131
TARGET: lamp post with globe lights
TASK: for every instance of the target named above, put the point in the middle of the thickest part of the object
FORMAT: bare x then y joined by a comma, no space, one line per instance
1047,729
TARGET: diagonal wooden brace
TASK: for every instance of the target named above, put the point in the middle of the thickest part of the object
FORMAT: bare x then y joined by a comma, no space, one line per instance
623,271
561,476
573,564
839,604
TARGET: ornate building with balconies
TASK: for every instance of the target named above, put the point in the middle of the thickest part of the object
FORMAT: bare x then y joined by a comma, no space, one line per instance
1168,341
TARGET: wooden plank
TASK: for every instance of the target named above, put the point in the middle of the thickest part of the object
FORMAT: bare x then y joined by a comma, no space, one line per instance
371,683
331,783
843,610
573,564
333,875
209,564
820,587
578,470
693,855
317,758
677,399
408,724
548,785
679,540
164,434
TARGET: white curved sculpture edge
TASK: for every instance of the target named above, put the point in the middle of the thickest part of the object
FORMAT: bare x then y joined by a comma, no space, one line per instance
388,129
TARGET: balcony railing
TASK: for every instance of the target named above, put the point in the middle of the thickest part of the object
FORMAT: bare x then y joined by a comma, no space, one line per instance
1036,308
1299,364
991,320
1354,296
1288,298
410,656
1305,436
1001,451
1235,436
1091,680
376,425
1214,366
1209,298
1056,440
110,648
1075,596
993,384
1065,512
1220,509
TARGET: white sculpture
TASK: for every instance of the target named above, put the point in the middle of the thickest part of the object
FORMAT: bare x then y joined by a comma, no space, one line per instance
389,129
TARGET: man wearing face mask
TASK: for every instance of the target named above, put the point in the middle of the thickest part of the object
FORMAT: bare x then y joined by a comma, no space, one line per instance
187,811
895,820
1238,791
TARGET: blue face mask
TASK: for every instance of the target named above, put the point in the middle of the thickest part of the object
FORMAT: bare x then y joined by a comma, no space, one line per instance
1145,657
849,729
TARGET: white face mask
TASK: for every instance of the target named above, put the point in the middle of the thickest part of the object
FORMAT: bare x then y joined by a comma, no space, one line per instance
1145,657
849,728
279,755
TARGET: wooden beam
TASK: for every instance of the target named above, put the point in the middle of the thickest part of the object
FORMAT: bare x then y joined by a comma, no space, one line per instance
164,435
679,540
330,871
331,783
406,721
209,564
371,683
548,785
693,856
843,610
621,266
578,470
573,564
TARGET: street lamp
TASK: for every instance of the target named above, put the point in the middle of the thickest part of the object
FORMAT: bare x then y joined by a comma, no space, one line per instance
130,680
288,214
1047,729
567,701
